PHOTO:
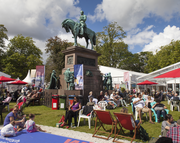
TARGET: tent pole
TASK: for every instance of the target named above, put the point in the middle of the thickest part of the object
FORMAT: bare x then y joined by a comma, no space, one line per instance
175,86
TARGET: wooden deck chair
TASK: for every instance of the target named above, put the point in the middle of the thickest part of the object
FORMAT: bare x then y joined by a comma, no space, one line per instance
104,117
124,121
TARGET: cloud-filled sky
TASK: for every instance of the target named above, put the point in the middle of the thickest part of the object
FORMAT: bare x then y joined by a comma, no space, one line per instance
149,24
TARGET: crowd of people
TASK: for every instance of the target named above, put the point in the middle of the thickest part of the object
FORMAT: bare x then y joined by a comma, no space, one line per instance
141,102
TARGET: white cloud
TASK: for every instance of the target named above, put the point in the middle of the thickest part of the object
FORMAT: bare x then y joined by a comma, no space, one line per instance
138,37
129,13
163,38
39,19
36,18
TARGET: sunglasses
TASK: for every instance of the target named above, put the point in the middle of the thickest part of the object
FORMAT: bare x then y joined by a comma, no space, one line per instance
15,110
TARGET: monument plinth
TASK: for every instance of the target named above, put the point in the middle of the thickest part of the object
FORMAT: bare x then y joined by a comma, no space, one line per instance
77,55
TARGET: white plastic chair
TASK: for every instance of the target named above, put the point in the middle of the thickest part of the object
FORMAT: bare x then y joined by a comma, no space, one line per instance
8,103
174,104
102,104
169,100
81,115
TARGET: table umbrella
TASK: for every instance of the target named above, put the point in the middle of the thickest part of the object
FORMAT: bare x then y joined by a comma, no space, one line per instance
171,74
147,82
5,79
18,82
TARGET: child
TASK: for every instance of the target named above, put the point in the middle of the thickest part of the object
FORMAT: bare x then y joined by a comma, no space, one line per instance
8,130
30,125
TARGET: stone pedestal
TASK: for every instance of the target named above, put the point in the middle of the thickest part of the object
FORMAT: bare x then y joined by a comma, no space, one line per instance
48,96
89,59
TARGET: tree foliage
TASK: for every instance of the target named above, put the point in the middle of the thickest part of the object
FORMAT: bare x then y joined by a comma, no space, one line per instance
56,59
3,36
110,45
136,62
21,55
167,55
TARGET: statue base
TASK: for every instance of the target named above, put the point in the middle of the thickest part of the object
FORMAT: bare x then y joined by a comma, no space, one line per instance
89,58
48,96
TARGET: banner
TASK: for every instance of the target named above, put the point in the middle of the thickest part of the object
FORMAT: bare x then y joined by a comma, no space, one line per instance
78,75
40,76
127,80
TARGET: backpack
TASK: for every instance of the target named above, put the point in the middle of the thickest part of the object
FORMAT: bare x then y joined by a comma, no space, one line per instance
143,134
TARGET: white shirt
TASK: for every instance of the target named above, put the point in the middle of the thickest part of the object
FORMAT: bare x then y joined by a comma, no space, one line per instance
8,130
139,104
29,123
111,96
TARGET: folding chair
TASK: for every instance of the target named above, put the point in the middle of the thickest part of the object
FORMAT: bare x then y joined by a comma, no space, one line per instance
124,121
104,117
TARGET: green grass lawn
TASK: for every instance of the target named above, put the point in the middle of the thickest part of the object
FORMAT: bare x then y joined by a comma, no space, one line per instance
46,116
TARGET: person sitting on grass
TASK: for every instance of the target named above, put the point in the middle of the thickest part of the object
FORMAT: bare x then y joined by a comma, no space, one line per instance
159,109
113,98
111,103
13,116
123,102
169,122
139,105
8,130
31,126
73,111
174,133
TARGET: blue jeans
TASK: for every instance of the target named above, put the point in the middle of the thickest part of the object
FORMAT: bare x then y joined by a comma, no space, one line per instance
159,112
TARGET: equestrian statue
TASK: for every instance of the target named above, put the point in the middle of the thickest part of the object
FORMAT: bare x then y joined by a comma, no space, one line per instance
80,29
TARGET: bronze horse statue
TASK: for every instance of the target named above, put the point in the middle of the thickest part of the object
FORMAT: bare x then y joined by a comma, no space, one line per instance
69,24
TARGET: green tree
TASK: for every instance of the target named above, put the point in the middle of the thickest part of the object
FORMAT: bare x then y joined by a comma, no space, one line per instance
167,55
22,54
109,43
136,62
56,59
3,36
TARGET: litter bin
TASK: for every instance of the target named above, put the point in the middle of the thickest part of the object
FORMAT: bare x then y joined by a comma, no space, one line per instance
62,102
55,102
71,98
81,99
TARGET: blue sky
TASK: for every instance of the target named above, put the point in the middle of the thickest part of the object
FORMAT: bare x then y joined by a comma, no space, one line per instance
148,24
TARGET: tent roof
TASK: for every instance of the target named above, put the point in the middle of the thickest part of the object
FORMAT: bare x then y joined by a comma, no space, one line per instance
28,78
4,74
171,74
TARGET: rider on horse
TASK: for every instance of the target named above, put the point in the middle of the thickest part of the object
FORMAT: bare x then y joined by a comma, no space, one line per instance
82,20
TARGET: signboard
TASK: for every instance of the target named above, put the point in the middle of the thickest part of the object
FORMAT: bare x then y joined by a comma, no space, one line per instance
127,80
79,79
40,76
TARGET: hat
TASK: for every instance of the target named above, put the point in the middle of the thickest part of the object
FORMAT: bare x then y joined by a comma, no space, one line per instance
178,121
